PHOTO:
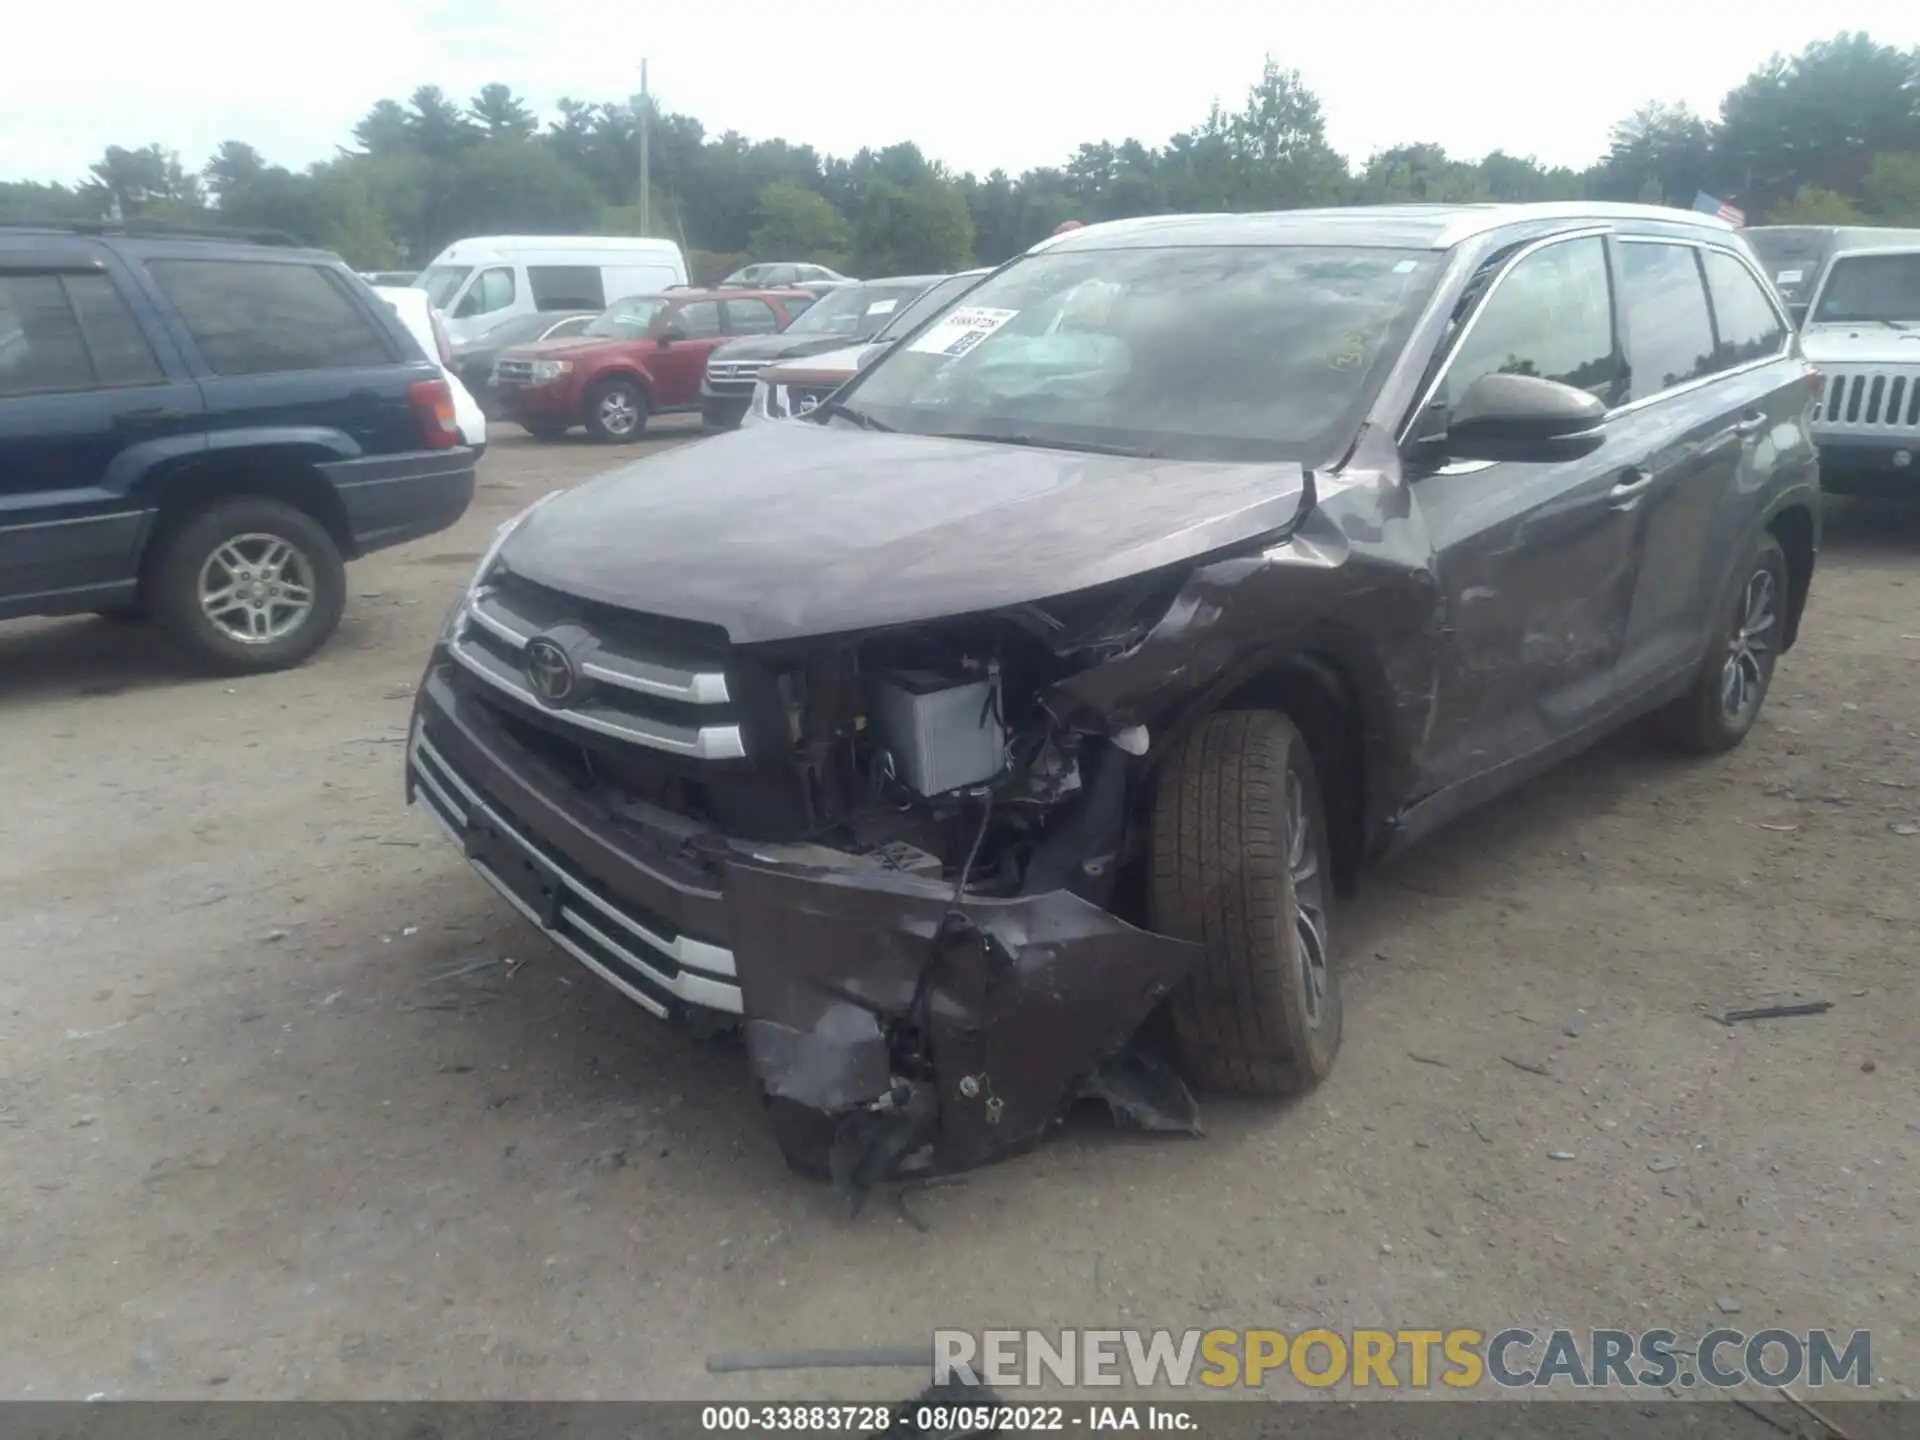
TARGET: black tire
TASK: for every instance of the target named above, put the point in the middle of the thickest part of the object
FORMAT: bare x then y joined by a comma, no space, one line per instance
1260,1013
805,1137
1746,643
601,403
188,549
548,433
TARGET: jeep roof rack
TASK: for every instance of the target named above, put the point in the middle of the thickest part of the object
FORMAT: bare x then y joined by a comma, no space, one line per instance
153,229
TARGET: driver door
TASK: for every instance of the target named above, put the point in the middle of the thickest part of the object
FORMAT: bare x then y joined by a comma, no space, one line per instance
1535,562
684,336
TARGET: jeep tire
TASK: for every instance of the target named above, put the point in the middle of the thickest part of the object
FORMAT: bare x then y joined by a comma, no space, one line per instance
1242,866
246,584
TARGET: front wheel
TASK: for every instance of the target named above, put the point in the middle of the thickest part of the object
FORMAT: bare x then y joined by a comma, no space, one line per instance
248,584
1732,682
1242,866
616,412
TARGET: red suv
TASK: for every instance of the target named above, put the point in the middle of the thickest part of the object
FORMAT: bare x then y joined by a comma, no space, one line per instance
644,356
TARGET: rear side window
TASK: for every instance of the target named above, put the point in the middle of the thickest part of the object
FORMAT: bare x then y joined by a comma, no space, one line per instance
115,341
257,317
751,317
699,320
566,287
1550,316
1749,326
1669,334
797,306
62,333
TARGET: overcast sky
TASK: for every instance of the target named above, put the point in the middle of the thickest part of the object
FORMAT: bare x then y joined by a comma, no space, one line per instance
991,83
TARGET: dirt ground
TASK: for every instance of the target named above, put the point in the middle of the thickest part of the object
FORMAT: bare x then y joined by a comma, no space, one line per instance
291,1105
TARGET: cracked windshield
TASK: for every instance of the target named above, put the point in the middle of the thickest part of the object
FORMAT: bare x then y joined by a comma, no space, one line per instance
799,745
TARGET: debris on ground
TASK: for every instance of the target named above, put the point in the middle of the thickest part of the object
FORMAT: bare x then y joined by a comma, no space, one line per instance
1728,1305
1427,1059
1528,1066
1776,1012
1144,1092
1663,1165
1560,1155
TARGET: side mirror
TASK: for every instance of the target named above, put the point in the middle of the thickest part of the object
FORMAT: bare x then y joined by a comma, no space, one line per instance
1523,417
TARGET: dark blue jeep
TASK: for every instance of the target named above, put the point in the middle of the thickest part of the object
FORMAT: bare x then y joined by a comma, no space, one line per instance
200,428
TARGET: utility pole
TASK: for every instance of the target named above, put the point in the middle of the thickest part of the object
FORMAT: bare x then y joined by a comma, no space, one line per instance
646,179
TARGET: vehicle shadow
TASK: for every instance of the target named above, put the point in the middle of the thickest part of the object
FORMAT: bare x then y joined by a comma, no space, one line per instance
1869,526
83,655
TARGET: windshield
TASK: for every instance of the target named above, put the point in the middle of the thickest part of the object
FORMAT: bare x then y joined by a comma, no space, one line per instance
516,330
855,311
442,283
936,298
627,319
1222,353
1872,287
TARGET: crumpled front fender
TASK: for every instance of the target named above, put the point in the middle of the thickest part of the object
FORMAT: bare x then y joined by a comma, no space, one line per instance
1013,1002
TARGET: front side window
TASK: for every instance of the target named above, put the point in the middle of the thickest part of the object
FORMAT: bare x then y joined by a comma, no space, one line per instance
41,348
1864,288
699,320
256,317
1197,352
1669,332
1749,326
628,319
572,325
492,291
1550,316
442,283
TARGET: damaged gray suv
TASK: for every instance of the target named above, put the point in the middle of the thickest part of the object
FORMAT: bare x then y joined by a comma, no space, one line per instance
1053,676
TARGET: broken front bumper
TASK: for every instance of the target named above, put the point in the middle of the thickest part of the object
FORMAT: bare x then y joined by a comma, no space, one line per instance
837,968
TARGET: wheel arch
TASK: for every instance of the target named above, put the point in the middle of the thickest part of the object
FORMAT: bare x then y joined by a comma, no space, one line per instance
1332,687
285,472
1797,531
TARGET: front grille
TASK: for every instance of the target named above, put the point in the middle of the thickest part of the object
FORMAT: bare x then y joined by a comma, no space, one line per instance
727,377
513,372
644,679
1869,401
640,953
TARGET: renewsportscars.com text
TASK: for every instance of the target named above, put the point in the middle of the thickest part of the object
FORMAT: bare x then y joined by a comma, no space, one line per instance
1459,1359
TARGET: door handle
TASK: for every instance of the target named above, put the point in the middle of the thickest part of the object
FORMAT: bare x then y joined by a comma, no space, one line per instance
1631,485
144,418
1752,422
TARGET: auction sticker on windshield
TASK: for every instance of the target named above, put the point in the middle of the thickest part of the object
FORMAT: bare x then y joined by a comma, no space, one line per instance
960,331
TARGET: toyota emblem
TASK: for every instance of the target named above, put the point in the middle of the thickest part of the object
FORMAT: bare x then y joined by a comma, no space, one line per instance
550,672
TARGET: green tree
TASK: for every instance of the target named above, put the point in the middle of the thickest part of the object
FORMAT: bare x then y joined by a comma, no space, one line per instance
793,223
501,115
439,127
146,182
385,129
513,187
1811,205
30,200
1819,118
912,230
1661,153
234,166
1891,188
1423,173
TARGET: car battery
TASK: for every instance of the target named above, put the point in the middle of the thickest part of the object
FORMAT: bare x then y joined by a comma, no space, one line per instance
940,732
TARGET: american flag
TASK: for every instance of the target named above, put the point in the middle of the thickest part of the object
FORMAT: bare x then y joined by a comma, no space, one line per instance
1707,205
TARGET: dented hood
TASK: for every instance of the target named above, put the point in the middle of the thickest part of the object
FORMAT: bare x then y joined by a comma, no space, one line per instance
783,531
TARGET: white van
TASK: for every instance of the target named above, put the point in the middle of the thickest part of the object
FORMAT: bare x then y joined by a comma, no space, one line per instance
477,283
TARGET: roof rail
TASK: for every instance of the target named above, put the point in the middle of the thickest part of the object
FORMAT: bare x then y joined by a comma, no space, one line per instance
154,229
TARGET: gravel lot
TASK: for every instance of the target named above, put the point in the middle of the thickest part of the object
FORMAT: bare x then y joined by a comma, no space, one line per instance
292,1105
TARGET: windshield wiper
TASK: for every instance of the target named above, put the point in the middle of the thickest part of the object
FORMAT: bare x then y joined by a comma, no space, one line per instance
858,417
1086,447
